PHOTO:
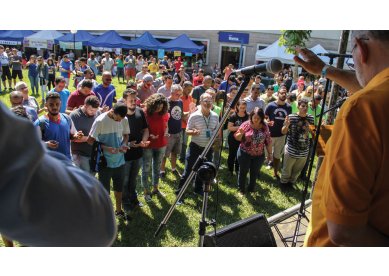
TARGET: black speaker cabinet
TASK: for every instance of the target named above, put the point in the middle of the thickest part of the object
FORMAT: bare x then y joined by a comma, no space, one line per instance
250,232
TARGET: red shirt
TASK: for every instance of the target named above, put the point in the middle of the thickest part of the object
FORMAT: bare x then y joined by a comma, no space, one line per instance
157,126
177,65
76,99
198,81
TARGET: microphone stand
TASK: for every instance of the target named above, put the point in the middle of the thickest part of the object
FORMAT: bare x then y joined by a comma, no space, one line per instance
200,162
301,212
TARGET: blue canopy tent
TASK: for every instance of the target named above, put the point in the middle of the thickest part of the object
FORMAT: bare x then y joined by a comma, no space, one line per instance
42,39
145,41
80,36
110,39
184,44
14,37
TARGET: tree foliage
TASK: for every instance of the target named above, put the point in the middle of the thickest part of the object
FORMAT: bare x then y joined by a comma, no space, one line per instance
293,39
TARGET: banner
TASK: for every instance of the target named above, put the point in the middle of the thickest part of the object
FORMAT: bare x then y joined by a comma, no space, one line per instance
39,43
102,49
161,53
70,45
188,54
8,42
177,53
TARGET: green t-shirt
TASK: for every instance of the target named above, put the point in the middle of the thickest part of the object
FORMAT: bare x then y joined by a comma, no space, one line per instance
216,109
119,63
315,113
294,107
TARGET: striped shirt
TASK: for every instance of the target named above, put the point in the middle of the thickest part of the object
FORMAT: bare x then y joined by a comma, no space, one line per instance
297,142
206,125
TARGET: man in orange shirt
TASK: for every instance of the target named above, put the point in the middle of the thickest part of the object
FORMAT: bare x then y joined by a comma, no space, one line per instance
351,195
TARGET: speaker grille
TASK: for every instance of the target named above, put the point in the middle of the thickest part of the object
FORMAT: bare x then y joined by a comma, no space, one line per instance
250,232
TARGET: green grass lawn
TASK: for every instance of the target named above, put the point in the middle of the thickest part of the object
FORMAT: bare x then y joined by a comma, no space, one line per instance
224,203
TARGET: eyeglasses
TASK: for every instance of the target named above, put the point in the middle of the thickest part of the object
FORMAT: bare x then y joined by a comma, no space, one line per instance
355,45
24,87
108,79
207,101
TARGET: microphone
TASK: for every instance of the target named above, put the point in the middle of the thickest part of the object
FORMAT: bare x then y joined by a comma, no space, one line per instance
334,55
272,66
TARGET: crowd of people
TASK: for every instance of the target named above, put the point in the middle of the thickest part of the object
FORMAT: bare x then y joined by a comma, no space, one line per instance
166,114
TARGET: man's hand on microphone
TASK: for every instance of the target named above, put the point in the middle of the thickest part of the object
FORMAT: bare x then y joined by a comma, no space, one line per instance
310,61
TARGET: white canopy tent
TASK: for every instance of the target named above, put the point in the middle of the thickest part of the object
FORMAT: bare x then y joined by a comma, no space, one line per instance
279,52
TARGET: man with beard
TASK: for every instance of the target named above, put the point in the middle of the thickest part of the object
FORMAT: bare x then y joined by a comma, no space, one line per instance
77,98
297,144
106,91
57,129
199,90
146,88
173,147
351,192
83,118
276,113
138,139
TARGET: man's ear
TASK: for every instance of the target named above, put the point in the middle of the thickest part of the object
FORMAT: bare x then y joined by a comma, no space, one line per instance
364,50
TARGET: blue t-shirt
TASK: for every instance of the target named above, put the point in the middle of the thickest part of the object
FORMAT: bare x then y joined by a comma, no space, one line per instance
92,64
67,66
277,113
33,70
110,133
58,131
223,86
32,112
175,119
105,94
64,95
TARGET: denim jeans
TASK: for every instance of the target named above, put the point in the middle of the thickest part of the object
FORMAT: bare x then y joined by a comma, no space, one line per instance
152,159
193,153
184,144
34,81
232,161
117,175
248,163
82,162
129,195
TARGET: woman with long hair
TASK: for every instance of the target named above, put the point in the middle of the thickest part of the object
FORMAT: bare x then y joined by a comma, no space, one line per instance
156,111
235,121
139,63
43,75
33,74
254,136
51,70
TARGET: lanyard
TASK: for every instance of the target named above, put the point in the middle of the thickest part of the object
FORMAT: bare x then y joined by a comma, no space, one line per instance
207,123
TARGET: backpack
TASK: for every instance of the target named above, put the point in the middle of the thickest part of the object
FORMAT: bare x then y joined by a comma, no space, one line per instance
97,160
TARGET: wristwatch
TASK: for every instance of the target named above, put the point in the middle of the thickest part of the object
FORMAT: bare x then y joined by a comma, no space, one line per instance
324,70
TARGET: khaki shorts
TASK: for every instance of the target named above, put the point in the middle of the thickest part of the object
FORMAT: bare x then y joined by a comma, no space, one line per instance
174,144
278,144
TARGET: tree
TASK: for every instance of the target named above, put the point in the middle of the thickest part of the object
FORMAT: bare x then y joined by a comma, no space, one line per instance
291,40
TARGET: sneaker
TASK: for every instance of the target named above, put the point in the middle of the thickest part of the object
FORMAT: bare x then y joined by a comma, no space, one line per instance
158,192
176,173
147,197
180,202
120,214
162,174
